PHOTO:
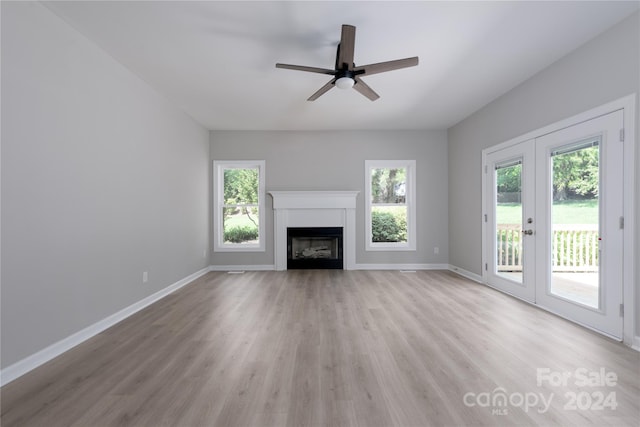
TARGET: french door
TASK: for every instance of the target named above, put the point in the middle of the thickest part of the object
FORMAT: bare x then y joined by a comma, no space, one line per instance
509,215
553,232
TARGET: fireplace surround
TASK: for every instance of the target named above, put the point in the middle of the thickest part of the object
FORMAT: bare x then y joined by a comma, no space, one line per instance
312,209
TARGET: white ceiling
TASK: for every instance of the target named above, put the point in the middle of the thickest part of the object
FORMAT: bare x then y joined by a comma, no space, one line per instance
216,60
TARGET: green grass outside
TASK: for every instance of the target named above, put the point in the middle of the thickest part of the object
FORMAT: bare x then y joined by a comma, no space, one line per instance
239,221
239,228
565,212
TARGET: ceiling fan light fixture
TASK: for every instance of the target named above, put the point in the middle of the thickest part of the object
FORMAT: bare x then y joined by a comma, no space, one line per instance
345,82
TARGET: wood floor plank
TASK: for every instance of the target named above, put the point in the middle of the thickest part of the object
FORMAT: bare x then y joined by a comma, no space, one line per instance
329,348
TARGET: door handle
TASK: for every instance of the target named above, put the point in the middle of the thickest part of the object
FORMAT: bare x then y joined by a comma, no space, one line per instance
528,232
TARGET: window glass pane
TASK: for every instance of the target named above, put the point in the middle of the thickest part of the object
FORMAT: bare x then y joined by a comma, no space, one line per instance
240,186
241,225
389,224
388,185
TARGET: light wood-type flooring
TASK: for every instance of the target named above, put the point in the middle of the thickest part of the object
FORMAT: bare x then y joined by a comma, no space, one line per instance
331,348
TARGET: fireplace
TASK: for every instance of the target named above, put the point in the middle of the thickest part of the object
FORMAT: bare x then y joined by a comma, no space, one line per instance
314,247
314,209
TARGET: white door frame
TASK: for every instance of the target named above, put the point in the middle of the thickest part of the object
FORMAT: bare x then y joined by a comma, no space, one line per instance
628,105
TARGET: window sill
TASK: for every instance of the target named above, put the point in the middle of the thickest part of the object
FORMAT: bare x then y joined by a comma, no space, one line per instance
239,249
390,247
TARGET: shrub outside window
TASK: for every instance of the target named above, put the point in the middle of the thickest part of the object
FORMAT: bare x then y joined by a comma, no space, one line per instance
238,206
390,205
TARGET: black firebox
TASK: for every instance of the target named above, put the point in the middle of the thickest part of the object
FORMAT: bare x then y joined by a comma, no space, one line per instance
314,248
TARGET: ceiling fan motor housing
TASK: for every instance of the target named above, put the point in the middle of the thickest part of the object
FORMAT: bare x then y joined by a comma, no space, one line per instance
345,73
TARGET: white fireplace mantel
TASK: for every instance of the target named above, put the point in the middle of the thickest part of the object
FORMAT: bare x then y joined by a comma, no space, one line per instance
314,209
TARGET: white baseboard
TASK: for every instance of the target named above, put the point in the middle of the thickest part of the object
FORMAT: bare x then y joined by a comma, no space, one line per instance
464,273
636,343
401,266
265,267
29,363
268,267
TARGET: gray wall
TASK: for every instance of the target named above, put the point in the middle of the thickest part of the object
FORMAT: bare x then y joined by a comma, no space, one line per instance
102,179
602,70
326,160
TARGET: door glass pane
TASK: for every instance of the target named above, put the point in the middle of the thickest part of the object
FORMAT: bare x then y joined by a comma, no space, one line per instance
509,220
575,222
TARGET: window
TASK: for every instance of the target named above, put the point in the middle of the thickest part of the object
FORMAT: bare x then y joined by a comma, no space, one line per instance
390,205
238,206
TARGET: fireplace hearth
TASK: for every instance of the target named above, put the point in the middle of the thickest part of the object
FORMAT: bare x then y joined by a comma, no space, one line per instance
314,248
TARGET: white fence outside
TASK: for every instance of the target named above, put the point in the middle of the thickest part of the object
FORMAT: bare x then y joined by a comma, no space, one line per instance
574,247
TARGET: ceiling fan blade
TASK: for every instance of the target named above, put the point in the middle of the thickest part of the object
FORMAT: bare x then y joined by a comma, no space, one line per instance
304,68
346,47
324,89
362,87
382,67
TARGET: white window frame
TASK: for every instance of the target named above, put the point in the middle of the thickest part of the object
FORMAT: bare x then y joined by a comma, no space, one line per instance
410,244
218,204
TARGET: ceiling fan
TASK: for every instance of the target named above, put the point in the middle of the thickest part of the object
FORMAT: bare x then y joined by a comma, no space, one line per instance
346,74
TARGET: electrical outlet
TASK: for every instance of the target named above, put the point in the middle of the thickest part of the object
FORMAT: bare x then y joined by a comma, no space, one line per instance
436,250
204,253
145,277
